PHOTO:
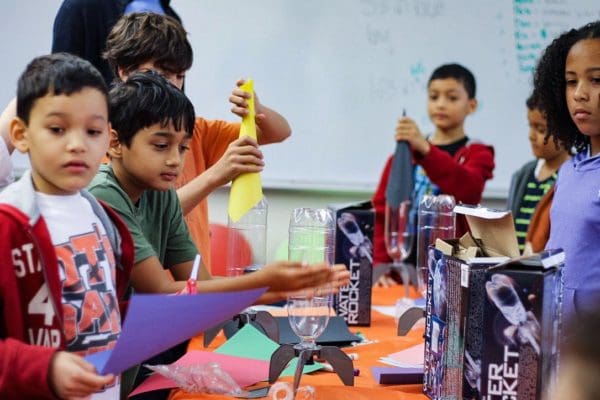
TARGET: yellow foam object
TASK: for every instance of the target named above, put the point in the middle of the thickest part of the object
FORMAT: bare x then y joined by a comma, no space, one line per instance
246,188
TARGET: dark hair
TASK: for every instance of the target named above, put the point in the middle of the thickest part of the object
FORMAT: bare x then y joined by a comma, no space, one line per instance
458,72
55,74
138,38
550,86
145,99
533,103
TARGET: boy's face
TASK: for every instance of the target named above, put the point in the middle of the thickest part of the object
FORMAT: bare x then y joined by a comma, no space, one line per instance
176,79
153,160
448,103
537,135
66,139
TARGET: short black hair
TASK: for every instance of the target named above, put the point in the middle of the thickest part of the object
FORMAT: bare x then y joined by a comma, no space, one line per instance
550,86
533,103
145,99
138,38
458,72
56,74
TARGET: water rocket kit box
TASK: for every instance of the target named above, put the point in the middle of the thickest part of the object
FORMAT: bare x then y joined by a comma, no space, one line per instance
354,248
454,307
522,322
467,356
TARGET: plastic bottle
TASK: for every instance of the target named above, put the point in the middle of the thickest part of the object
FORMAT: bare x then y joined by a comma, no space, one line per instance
436,219
247,240
311,235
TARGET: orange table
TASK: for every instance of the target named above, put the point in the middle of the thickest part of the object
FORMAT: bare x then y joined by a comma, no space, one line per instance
327,384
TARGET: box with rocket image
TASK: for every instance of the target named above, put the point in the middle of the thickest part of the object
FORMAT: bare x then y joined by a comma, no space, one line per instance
467,288
354,248
454,301
522,324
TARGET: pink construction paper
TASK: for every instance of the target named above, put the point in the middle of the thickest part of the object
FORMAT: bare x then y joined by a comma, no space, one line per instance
413,355
155,323
244,371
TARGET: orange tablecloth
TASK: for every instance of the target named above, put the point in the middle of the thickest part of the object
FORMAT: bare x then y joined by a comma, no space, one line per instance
327,384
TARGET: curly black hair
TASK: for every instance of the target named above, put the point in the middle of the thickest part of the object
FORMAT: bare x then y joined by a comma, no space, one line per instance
550,85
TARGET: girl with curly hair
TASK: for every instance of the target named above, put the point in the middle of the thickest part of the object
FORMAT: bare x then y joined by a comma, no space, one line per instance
567,83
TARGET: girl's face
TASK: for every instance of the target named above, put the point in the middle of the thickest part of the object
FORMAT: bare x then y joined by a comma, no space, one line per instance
582,77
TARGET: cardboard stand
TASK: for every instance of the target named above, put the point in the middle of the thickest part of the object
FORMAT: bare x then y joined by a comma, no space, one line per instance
409,318
340,362
262,319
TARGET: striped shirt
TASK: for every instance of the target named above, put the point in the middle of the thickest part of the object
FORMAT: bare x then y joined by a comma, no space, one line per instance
533,194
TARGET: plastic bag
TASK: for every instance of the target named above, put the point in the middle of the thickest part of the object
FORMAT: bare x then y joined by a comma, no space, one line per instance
200,378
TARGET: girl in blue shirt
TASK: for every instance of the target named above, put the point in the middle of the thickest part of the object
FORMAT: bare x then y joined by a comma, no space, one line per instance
567,82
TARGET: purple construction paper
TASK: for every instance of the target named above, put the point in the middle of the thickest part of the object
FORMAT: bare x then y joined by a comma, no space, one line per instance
397,375
99,359
155,323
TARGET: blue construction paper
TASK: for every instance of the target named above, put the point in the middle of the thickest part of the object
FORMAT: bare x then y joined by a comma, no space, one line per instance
155,323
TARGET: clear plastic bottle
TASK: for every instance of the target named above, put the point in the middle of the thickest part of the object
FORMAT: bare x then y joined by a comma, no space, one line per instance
247,240
311,235
312,240
436,219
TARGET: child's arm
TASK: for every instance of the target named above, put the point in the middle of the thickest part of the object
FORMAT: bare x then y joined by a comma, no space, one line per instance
242,155
272,126
7,115
466,180
43,372
70,376
148,276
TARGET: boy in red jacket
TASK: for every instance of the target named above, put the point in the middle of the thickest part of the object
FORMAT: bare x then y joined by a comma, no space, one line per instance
446,162
60,249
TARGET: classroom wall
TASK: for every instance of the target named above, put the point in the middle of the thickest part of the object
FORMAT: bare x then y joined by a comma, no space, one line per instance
393,41
342,71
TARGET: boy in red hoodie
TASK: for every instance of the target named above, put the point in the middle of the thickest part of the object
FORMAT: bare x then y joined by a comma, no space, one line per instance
60,249
445,162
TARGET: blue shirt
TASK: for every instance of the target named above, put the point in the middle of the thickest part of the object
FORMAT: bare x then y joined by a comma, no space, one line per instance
575,227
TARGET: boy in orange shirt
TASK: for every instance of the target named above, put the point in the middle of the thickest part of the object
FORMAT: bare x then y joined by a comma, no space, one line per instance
143,41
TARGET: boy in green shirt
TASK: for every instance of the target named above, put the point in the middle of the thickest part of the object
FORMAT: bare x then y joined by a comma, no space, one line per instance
152,123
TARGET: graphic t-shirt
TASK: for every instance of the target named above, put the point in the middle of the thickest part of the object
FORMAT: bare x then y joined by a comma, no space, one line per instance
87,268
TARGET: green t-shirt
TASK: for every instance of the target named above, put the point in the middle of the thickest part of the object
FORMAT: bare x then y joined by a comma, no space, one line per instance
156,222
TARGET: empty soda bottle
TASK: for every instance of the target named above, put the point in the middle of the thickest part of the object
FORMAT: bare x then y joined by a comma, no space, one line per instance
436,220
247,240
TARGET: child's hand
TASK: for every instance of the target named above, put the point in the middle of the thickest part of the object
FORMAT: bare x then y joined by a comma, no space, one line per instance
242,155
240,105
407,130
73,377
286,276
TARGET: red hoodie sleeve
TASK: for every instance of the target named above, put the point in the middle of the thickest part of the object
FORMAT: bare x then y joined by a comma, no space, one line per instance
380,255
24,370
463,175
23,367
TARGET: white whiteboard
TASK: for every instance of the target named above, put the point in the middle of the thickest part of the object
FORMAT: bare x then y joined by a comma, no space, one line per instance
341,71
